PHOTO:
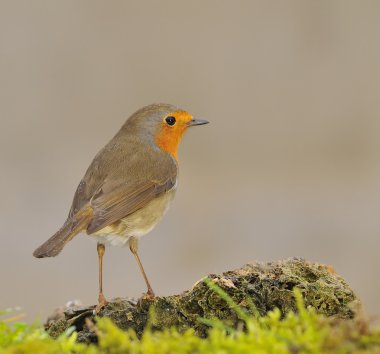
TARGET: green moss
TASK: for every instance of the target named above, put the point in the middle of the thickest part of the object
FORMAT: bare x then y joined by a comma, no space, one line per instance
291,306
262,286
303,331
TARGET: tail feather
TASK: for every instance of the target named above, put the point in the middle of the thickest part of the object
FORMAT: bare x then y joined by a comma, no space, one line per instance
72,227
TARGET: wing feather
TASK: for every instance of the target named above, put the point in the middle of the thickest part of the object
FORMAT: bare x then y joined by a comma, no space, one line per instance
114,201
124,177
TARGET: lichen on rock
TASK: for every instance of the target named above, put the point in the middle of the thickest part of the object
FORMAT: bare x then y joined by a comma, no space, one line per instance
262,286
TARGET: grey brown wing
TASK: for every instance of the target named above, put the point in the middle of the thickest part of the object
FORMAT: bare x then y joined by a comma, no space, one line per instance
115,192
90,183
115,200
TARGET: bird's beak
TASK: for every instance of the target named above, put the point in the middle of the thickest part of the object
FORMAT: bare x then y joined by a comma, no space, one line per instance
197,122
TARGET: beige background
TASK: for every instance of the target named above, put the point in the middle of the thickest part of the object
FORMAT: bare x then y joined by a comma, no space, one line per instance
289,166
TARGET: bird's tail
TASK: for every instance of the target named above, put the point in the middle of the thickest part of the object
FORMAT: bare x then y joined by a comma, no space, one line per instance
72,227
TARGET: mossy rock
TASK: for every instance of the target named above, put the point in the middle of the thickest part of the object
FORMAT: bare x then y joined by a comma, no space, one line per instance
256,286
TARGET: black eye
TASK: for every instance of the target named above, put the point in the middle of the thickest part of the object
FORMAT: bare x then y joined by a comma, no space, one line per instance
170,120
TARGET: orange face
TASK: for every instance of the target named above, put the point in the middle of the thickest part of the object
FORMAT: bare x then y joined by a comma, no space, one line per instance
171,130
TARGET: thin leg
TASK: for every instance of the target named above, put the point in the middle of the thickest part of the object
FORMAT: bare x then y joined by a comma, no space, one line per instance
133,246
101,299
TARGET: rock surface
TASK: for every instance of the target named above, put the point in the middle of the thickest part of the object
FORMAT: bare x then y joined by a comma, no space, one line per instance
265,285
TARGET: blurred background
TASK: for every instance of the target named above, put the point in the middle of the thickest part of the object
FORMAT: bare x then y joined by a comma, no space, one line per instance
289,166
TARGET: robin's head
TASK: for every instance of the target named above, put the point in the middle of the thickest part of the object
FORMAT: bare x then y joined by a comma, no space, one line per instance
162,125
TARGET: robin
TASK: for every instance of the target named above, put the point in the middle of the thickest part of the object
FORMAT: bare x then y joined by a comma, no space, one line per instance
128,187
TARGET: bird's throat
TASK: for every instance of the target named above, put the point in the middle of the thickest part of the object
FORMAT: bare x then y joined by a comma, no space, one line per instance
168,139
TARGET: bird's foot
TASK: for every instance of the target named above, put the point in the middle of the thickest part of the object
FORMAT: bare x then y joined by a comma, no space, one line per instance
149,294
102,302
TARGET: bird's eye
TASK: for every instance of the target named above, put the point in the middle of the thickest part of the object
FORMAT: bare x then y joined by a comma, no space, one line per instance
170,120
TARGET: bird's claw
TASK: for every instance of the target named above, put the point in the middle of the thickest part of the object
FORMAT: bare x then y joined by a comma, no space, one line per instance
102,302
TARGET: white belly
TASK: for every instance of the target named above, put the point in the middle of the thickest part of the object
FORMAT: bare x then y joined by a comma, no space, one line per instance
137,224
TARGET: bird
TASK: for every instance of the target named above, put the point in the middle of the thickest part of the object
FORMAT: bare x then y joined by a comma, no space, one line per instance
128,186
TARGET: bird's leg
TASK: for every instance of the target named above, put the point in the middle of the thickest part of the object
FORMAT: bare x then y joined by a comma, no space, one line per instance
101,299
133,246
